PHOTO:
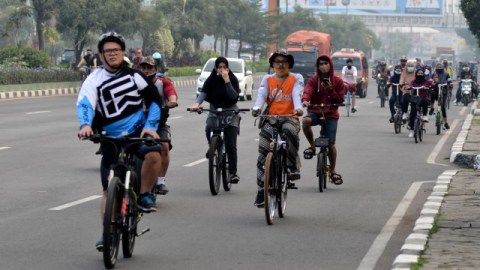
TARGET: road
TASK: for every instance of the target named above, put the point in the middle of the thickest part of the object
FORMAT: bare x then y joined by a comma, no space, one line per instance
49,202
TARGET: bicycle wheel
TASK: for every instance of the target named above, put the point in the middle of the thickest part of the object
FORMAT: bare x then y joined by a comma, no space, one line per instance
449,95
281,186
227,185
421,130
397,123
131,219
112,223
416,129
382,96
270,194
321,171
214,164
348,103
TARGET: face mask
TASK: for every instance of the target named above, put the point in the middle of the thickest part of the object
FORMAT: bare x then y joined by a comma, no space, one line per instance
349,67
151,76
445,64
403,64
410,69
439,70
420,77
398,72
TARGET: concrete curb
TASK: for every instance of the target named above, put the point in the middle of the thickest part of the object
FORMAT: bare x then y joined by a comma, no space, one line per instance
66,91
416,242
457,156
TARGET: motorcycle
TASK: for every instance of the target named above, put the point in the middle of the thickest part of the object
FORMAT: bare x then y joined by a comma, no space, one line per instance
466,91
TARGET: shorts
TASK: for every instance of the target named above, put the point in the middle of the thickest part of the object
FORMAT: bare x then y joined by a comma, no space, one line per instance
332,123
164,133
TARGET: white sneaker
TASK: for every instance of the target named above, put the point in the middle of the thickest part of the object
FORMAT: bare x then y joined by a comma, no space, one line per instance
410,134
404,117
425,119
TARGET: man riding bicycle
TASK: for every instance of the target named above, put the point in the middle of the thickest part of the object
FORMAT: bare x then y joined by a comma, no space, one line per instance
440,76
349,76
115,96
87,63
323,88
281,90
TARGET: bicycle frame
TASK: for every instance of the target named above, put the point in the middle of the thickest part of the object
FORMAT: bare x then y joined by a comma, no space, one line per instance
418,125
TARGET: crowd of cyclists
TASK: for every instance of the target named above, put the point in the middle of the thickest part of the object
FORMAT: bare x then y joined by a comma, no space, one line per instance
411,73
132,97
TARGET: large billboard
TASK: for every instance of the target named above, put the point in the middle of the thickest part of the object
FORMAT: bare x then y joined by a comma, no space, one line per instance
368,7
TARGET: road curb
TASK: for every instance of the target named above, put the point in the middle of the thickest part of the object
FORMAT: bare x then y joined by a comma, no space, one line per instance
416,242
457,156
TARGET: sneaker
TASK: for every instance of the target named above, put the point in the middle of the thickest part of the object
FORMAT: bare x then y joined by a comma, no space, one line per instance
354,110
430,112
99,244
161,189
447,126
293,173
391,119
410,134
234,178
260,200
146,203
425,119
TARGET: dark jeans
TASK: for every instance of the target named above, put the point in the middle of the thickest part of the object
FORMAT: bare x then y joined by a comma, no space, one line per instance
413,111
391,102
230,134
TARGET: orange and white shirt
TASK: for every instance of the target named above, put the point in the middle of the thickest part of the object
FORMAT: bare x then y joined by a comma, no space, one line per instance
285,93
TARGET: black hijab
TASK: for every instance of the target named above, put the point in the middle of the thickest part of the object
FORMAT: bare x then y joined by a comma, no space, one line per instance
216,89
419,79
396,77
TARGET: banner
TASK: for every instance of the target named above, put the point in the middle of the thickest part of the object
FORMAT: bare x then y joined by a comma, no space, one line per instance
368,7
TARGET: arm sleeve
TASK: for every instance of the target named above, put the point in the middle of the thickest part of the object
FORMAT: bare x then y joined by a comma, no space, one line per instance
298,91
201,97
262,93
231,92
307,93
86,101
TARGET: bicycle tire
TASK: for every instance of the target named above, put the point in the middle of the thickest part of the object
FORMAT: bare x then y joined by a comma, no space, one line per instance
416,126
281,186
348,103
270,195
111,223
397,124
214,164
227,185
382,96
321,171
131,220
421,130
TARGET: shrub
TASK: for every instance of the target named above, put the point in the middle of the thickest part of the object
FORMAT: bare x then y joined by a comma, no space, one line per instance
16,75
24,57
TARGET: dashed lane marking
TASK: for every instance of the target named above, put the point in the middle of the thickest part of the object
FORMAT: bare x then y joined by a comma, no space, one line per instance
67,205
4,148
38,112
195,162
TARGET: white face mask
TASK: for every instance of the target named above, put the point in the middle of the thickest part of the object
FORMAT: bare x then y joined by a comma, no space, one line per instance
410,69
398,72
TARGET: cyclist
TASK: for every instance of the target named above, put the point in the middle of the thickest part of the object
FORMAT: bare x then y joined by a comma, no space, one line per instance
85,65
448,68
169,100
393,97
408,74
221,90
424,94
403,61
281,90
115,95
349,75
323,88
384,73
441,77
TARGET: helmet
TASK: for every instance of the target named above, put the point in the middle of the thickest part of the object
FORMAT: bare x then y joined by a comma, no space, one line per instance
382,63
403,58
110,37
284,53
466,69
156,55
129,63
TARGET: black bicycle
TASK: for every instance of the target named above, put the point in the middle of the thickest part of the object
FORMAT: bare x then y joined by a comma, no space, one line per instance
122,215
276,183
322,142
217,158
397,117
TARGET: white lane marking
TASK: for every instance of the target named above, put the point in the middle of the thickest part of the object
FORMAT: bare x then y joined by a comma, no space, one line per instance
440,143
174,117
38,112
378,246
195,162
463,110
4,148
67,205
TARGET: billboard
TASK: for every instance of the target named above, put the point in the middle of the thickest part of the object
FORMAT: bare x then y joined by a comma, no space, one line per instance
368,7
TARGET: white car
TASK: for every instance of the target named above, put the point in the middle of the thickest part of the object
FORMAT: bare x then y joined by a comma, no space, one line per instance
238,67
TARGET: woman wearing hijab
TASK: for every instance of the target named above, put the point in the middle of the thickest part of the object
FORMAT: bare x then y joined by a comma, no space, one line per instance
424,95
393,97
221,90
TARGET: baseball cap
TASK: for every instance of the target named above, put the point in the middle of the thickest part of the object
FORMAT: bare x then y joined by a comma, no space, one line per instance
148,61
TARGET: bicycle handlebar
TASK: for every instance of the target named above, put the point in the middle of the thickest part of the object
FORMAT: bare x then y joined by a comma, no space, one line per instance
127,140
325,105
217,111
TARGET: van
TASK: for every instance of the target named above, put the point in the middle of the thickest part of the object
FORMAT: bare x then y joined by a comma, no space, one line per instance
239,69
339,59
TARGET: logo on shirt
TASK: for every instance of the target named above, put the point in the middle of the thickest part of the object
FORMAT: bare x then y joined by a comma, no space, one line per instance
118,95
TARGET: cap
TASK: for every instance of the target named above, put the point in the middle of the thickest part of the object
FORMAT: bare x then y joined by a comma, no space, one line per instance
148,61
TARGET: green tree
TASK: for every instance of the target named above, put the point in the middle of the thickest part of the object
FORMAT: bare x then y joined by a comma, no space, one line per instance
470,10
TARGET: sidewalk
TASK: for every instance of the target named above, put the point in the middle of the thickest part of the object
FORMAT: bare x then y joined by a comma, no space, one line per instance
447,233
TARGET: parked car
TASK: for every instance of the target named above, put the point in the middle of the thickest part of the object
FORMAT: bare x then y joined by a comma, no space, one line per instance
238,67
68,56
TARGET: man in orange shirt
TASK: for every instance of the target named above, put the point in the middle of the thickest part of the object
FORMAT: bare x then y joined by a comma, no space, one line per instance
282,92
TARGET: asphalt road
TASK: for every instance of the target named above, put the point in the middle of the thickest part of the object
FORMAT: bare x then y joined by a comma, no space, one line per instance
359,225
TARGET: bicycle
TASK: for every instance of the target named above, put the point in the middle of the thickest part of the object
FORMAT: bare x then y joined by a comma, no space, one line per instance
276,184
449,97
323,168
397,117
418,125
217,157
348,101
438,107
122,215
383,91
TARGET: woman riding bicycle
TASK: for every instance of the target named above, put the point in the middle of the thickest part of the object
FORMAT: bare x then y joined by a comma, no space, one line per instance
323,88
423,93
221,90
281,91
408,74
395,79
441,77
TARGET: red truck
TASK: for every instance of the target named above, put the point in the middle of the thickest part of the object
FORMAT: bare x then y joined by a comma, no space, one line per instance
305,47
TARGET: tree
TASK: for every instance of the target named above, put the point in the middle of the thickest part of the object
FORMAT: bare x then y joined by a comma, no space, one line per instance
470,10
